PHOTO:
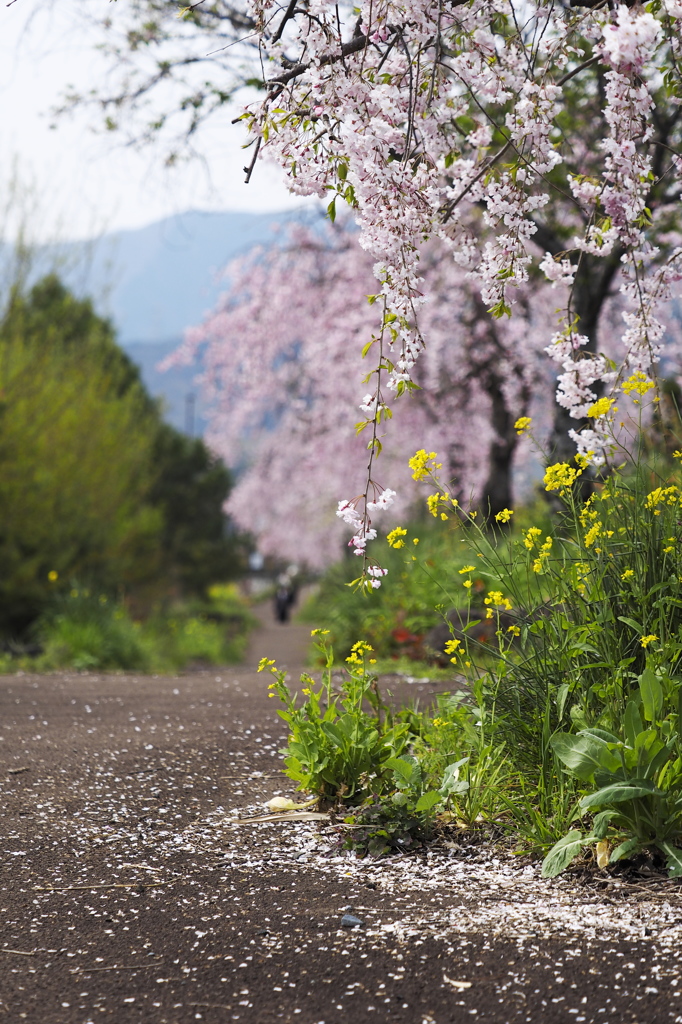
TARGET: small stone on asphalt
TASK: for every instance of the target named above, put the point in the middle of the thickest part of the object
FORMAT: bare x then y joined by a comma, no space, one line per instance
349,921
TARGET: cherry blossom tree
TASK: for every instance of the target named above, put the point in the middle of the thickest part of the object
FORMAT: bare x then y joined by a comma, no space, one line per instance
524,136
281,360
501,129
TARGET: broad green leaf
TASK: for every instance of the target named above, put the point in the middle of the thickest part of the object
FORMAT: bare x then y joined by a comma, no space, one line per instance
624,850
651,693
631,622
673,856
333,733
602,734
665,754
456,788
401,766
562,853
561,698
450,775
428,800
645,740
632,722
616,793
584,754
601,823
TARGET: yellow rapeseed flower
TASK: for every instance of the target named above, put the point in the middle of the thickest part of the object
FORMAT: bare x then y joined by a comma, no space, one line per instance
504,516
496,599
600,408
628,574
531,536
584,460
53,575
468,584
394,538
265,663
638,383
646,640
592,534
662,496
433,502
358,651
560,475
419,464
467,568
543,556
452,645
522,423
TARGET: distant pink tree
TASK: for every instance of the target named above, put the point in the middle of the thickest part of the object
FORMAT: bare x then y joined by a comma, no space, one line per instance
281,359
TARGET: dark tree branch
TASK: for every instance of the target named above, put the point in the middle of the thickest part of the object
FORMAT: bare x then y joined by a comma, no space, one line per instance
354,46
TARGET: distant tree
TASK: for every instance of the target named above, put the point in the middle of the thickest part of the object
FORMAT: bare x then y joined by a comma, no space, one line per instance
76,456
191,488
93,486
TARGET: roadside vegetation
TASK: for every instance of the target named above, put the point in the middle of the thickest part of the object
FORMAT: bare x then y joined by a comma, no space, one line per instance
561,732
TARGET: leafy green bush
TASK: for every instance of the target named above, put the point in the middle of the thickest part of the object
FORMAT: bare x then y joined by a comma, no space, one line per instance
88,630
585,691
338,750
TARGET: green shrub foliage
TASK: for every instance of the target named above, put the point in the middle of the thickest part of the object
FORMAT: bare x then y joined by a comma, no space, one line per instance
93,485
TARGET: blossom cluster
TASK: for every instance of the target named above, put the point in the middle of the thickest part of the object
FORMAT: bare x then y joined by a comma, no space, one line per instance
372,111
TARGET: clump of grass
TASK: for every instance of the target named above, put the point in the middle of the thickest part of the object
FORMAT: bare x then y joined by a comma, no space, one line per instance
88,630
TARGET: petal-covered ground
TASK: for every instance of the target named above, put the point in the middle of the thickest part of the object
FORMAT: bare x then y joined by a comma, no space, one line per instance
133,891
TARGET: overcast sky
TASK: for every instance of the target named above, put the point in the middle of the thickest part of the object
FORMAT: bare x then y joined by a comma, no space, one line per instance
84,183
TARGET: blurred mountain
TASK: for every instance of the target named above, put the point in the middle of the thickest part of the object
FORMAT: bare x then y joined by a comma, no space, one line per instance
181,403
156,281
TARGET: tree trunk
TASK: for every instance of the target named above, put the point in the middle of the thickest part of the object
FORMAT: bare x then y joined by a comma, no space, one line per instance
591,289
498,489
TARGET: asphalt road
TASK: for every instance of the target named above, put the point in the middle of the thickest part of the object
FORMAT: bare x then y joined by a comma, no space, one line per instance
129,894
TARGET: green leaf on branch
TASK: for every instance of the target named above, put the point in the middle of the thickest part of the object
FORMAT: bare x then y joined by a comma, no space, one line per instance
403,766
631,622
624,850
632,722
